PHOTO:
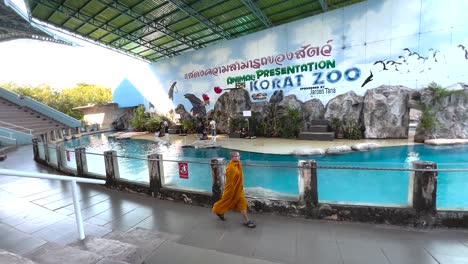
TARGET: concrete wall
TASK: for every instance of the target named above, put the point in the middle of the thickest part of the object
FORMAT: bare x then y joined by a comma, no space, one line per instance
104,115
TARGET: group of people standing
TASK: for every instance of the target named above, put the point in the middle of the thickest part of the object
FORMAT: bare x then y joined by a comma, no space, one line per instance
163,129
201,130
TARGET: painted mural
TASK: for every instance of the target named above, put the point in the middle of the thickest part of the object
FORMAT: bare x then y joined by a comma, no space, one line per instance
360,47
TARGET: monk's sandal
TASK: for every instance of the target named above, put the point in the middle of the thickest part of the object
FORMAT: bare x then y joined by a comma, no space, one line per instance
221,217
249,224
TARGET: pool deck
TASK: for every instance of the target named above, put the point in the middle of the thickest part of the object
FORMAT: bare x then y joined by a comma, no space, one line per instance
33,212
269,145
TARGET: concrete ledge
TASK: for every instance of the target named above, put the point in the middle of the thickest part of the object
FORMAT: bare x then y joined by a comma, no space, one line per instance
445,141
339,150
364,146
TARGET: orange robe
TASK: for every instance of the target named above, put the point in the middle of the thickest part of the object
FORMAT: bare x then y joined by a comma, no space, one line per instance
233,194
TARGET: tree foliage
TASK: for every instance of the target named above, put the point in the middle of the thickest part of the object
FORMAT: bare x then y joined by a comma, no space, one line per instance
80,95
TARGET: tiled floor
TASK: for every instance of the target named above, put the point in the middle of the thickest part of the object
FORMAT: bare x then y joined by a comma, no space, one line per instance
34,211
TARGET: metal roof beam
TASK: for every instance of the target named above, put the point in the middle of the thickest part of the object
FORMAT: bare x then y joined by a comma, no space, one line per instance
102,25
158,26
258,13
324,5
200,18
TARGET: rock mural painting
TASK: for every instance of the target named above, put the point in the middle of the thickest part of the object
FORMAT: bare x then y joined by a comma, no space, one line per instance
322,68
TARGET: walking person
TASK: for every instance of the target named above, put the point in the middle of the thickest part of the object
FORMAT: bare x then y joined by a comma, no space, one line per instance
233,194
213,129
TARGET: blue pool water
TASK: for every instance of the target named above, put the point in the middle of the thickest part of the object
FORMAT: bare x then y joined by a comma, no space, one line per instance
334,185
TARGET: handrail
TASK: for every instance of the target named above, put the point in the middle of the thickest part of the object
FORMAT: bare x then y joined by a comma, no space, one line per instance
30,130
9,138
72,180
40,108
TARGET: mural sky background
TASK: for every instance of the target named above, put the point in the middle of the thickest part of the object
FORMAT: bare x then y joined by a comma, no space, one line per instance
362,34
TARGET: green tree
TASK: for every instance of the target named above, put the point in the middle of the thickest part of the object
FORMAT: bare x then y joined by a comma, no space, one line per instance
139,118
289,125
80,95
64,101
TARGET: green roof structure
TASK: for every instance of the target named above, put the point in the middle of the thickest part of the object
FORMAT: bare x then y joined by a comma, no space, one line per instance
157,29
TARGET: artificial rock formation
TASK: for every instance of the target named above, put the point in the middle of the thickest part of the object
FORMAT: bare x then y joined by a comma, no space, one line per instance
313,110
345,107
386,112
450,113
230,105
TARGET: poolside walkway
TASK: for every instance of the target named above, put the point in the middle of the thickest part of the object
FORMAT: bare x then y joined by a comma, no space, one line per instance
34,211
269,145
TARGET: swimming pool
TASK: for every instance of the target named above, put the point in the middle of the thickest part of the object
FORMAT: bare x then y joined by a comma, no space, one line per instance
379,187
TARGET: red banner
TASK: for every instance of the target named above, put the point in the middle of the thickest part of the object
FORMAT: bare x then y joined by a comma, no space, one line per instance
183,170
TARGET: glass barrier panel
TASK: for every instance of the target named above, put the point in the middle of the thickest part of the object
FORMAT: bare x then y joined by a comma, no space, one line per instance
451,187
134,170
96,164
52,155
363,187
198,176
277,183
40,147
69,160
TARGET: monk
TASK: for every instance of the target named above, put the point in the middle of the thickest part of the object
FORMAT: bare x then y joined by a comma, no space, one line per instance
233,194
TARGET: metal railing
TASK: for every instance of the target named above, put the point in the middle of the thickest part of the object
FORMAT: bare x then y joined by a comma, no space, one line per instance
25,128
72,180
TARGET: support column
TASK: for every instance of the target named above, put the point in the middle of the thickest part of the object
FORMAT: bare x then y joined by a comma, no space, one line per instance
46,148
59,153
81,162
35,149
53,135
155,168
308,194
217,177
69,132
112,167
424,186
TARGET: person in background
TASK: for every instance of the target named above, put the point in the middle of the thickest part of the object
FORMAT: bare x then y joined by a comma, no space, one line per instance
213,129
166,126
233,194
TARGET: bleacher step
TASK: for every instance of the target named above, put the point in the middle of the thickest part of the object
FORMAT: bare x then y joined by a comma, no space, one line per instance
330,136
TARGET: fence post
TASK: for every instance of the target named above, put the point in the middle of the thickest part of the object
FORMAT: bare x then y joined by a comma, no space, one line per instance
308,194
112,167
424,186
155,168
35,149
81,162
217,177
58,151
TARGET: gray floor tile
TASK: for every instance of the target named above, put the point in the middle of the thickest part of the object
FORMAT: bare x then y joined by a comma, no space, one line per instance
277,242
36,224
172,253
446,259
407,253
16,241
318,251
97,221
451,248
357,252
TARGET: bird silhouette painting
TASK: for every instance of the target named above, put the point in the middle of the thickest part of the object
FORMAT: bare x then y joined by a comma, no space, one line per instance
171,90
368,79
383,64
198,107
465,50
